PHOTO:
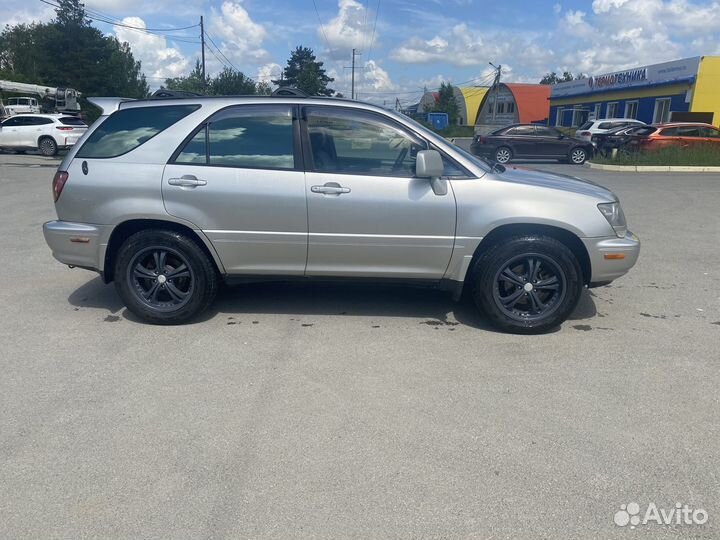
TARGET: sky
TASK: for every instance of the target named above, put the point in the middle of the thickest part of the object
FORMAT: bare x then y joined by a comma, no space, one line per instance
405,46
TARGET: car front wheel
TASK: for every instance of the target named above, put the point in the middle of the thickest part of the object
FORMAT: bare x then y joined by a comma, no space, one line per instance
164,277
578,156
527,284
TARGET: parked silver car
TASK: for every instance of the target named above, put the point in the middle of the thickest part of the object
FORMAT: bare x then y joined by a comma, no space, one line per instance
167,197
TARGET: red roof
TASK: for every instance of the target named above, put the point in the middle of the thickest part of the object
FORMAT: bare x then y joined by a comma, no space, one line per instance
532,100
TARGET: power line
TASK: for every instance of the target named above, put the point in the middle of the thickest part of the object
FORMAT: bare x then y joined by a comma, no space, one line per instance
221,53
322,28
372,40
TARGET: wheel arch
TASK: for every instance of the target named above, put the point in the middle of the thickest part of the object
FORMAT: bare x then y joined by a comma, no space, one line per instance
568,238
124,230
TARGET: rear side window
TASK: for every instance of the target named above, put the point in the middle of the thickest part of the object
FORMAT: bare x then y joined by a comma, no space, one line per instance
606,125
72,121
127,129
250,137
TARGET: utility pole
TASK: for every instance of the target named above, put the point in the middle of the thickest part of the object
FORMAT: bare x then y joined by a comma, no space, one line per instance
352,78
494,89
202,54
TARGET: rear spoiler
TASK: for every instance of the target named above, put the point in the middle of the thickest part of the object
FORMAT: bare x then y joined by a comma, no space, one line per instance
108,105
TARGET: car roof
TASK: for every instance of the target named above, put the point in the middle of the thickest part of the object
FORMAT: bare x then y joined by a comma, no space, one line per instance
40,115
632,120
684,124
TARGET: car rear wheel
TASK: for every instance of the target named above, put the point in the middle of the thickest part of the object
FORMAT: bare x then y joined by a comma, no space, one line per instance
578,156
503,154
164,277
527,284
47,146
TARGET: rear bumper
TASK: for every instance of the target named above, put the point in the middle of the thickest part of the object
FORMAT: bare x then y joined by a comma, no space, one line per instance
77,244
606,269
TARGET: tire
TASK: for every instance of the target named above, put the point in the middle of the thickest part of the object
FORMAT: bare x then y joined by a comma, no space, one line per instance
578,156
47,146
505,289
164,277
503,155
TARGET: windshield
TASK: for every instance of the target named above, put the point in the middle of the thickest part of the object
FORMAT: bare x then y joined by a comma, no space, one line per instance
485,164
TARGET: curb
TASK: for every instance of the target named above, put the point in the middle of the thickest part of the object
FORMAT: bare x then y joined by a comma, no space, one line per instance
651,168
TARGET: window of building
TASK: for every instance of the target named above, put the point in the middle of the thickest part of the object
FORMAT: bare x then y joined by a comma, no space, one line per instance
559,116
598,111
612,110
631,109
579,116
500,108
347,141
511,107
662,110
127,129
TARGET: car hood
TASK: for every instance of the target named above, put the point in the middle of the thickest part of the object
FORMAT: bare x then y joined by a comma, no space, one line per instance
560,182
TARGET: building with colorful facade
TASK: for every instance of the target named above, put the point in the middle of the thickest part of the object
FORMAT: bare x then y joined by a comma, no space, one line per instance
681,90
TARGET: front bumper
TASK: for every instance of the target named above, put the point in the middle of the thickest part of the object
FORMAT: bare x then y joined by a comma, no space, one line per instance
77,244
612,257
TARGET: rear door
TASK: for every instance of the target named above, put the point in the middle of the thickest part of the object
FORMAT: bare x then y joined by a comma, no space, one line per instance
239,179
523,141
368,214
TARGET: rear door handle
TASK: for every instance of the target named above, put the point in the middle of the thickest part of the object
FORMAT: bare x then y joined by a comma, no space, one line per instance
187,180
331,188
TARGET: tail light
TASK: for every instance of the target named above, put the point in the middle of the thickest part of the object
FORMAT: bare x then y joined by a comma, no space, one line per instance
584,133
64,128
58,183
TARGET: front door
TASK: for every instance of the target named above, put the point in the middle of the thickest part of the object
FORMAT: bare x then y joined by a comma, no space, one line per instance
368,216
240,180
550,142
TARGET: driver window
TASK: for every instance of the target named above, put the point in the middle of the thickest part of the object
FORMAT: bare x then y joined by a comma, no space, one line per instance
346,141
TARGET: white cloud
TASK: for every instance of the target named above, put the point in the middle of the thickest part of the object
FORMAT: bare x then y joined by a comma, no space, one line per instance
240,37
352,27
268,72
377,78
158,59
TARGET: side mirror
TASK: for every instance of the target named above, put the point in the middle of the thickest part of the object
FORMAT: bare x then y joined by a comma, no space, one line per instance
429,164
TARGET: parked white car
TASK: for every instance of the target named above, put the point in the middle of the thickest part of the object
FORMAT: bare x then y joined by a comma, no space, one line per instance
592,127
22,105
47,133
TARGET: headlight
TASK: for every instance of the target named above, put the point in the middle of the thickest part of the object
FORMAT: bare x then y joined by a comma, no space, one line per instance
616,218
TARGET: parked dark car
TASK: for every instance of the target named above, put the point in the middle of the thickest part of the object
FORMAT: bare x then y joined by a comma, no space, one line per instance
674,135
617,138
531,141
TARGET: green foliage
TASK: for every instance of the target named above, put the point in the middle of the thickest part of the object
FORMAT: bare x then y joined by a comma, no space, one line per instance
303,71
699,156
228,82
191,83
447,103
554,78
68,52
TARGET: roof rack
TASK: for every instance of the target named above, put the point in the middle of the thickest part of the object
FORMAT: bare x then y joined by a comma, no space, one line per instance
164,93
285,91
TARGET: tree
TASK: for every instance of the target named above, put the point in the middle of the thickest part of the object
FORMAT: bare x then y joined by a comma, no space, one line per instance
231,83
191,83
69,52
447,103
303,71
554,78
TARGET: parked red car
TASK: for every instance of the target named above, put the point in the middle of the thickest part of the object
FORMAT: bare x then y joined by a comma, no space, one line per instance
684,135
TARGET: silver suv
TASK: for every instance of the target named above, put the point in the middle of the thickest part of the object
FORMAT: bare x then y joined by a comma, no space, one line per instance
167,197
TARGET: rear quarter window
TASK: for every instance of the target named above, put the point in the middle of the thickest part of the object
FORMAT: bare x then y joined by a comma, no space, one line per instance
72,121
127,129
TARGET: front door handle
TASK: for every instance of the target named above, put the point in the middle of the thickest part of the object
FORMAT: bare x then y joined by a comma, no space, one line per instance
330,188
187,180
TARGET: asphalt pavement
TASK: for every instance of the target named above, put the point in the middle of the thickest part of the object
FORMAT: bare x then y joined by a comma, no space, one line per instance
348,411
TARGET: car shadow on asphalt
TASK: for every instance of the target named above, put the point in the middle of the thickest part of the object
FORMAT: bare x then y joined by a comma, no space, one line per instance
432,306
